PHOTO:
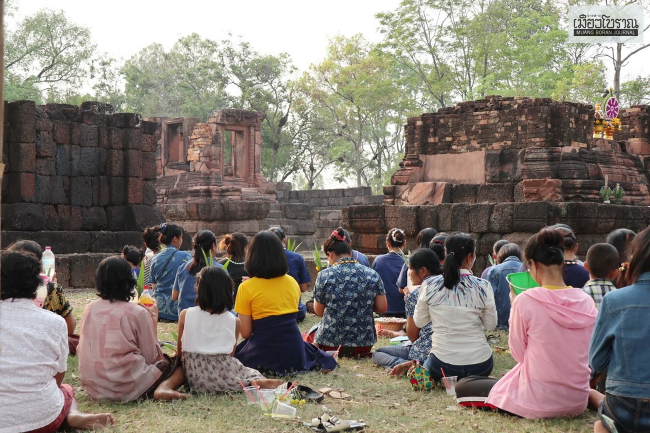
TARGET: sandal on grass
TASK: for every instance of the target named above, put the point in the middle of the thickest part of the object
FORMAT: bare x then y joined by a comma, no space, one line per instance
331,392
306,393
327,423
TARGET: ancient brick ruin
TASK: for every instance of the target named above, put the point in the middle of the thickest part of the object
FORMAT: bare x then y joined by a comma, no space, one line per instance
79,179
506,167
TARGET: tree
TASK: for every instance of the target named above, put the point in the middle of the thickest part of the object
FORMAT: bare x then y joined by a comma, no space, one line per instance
585,84
186,81
635,92
46,52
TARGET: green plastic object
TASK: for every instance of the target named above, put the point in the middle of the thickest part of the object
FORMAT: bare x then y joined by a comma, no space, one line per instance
521,281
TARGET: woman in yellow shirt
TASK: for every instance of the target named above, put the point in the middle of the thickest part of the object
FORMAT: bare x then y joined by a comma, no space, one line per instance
267,304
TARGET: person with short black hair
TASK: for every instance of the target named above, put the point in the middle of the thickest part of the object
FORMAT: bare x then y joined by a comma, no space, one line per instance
459,306
267,304
495,252
389,266
602,264
437,245
207,338
574,272
56,300
508,262
423,240
550,326
34,356
151,238
423,266
297,269
134,256
345,296
164,267
184,289
119,356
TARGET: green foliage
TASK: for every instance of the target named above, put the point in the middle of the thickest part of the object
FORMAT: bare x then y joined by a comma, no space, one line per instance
292,246
225,265
317,260
140,282
635,92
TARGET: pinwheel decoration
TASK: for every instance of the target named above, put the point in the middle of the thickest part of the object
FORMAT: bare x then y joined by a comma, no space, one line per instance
611,107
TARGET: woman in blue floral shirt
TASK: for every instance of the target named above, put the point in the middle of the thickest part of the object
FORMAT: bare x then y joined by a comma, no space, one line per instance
423,267
345,296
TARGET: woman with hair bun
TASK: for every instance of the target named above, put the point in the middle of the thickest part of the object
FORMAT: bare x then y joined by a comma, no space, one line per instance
550,327
345,296
235,245
574,272
459,306
389,266
184,290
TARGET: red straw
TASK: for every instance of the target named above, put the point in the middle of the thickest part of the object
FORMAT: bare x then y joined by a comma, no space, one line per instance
287,391
249,394
443,372
336,354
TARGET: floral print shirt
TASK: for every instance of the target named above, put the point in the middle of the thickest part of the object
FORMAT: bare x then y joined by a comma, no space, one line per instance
348,292
56,301
421,347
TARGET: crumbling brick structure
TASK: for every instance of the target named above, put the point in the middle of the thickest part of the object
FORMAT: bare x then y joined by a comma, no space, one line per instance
78,179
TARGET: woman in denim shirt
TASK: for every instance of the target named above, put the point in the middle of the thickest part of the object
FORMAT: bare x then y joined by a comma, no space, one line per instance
164,266
619,345
509,259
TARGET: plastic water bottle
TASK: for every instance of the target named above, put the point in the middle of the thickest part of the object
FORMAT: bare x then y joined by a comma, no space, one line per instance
48,263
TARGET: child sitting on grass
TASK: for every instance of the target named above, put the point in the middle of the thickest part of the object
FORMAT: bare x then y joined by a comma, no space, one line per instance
134,256
602,265
207,337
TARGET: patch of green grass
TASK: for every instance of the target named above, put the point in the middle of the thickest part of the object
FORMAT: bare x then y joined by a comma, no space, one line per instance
386,404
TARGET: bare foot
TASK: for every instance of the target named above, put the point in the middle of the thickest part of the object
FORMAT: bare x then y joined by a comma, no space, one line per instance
88,421
267,383
599,427
165,393
390,334
401,369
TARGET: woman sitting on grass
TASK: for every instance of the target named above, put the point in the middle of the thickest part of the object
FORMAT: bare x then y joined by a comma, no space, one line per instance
459,306
33,357
184,291
550,327
619,345
119,356
388,266
345,296
134,256
267,304
151,238
235,245
207,338
423,268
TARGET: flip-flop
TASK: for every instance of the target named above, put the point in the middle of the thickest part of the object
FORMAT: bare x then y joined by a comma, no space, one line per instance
331,392
327,423
309,394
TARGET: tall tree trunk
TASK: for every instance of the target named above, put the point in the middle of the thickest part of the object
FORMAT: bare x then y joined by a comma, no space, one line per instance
618,64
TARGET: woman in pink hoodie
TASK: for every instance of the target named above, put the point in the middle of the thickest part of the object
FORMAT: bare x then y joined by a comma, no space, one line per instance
550,329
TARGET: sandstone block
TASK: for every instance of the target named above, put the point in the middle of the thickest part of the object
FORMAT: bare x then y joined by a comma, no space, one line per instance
403,217
21,132
149,194
530,217
123,120
133,163
428,216
46,166
149,143
542,190
132,139
115,218
115,138
148,166
298,211
103,142
479,218
21,187
89,161
101,191
44,125
94,218
75,160
21,112
117,191
63,165
444,217
148,128
23,217
22,158
495,193
88,136
115,163
81,191
212,211
138,217
501,218
459,217
61,132
464,193
45,145
134,190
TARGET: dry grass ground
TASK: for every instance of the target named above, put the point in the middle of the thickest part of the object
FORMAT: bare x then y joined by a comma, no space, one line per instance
386,404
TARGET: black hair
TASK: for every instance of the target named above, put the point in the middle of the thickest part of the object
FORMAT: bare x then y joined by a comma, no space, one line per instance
114,280
214,290
508,250
561,226
425,236
265,257
639,257
345,233
28,246
570,242
457,247
20,275
621,239
437,245
425,258
278,232
203,242
133,255
546,247
170,231
602,259
235,245
151,238
396,238
498,245
338,243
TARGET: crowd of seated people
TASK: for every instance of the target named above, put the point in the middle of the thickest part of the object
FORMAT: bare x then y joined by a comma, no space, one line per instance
578,338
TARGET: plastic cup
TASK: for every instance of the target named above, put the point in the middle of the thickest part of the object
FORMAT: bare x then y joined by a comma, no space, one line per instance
267,398
280,392
252,395
282,410
450,384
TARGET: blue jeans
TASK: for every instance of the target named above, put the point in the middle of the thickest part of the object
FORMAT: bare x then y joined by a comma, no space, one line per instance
302,311
390,356
435,367
629,414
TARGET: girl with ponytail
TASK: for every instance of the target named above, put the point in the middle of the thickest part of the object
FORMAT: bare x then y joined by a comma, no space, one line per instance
389,266
550,328
184,290
459,306
235,245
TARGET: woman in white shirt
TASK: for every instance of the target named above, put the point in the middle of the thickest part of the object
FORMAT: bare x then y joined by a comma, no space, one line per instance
459,306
